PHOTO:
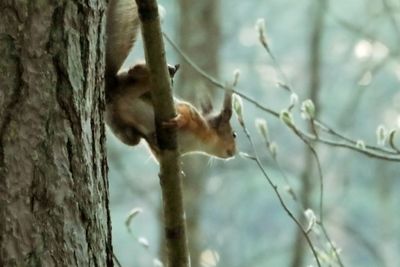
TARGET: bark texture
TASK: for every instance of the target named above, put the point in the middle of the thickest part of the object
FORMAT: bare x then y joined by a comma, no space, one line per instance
53,169
170,173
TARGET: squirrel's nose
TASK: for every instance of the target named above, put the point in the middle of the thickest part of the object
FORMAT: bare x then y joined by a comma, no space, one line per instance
230,152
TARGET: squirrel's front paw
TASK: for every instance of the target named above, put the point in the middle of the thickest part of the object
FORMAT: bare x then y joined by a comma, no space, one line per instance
177,122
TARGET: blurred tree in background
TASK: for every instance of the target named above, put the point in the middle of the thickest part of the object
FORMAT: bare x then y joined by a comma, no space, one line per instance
315,58
344,55
194,34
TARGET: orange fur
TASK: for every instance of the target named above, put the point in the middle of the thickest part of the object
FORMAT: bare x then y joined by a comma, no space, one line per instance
129,110
192,121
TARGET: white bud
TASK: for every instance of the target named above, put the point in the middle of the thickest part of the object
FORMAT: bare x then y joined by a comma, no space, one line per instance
157,263
311,218
236,75
290,191
283,85
132,214
286,117
260,27
237,105
360,144
273,149
262,128
381,135
392,135
332,247
245,155
144,242
294,99
308,109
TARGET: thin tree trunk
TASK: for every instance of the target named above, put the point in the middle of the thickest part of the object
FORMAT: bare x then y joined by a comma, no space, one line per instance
299,245
170,172
53,169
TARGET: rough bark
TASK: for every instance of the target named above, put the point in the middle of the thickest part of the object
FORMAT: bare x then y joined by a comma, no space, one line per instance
170,173
53,169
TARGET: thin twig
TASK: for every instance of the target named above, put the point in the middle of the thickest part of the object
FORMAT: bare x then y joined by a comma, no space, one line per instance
291,192
321,197
287,84
363,241
323,126
365,151
221,86
116,260
164,110
214,81
275,188
391,141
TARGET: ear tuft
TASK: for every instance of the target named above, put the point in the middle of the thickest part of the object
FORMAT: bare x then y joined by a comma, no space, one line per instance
226,112
173,70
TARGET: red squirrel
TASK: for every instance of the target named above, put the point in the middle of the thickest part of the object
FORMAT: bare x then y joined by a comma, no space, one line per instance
129,109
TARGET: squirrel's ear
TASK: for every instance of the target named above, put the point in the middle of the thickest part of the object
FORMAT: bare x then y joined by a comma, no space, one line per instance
226,112
173,69
138,71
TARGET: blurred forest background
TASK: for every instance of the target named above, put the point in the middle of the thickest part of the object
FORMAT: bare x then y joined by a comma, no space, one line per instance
345,56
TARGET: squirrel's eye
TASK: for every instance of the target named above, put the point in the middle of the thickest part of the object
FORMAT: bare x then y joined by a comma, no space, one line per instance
234,134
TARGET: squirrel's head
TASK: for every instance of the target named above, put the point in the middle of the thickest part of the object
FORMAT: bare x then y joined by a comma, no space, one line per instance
223,145
140,74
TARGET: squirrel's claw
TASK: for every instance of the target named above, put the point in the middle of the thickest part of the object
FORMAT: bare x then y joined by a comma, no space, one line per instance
176,122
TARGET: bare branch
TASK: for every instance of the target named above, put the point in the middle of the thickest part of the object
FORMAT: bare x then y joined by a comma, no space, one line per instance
371,151
214,81
321,197
275,188
170,178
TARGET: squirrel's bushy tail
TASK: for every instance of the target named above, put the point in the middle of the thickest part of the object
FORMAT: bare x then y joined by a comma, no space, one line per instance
122,27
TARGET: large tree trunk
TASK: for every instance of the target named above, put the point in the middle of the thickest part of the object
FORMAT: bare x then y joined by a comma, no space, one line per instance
53,169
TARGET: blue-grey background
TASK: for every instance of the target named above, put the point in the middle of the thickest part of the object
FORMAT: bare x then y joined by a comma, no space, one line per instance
242,222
